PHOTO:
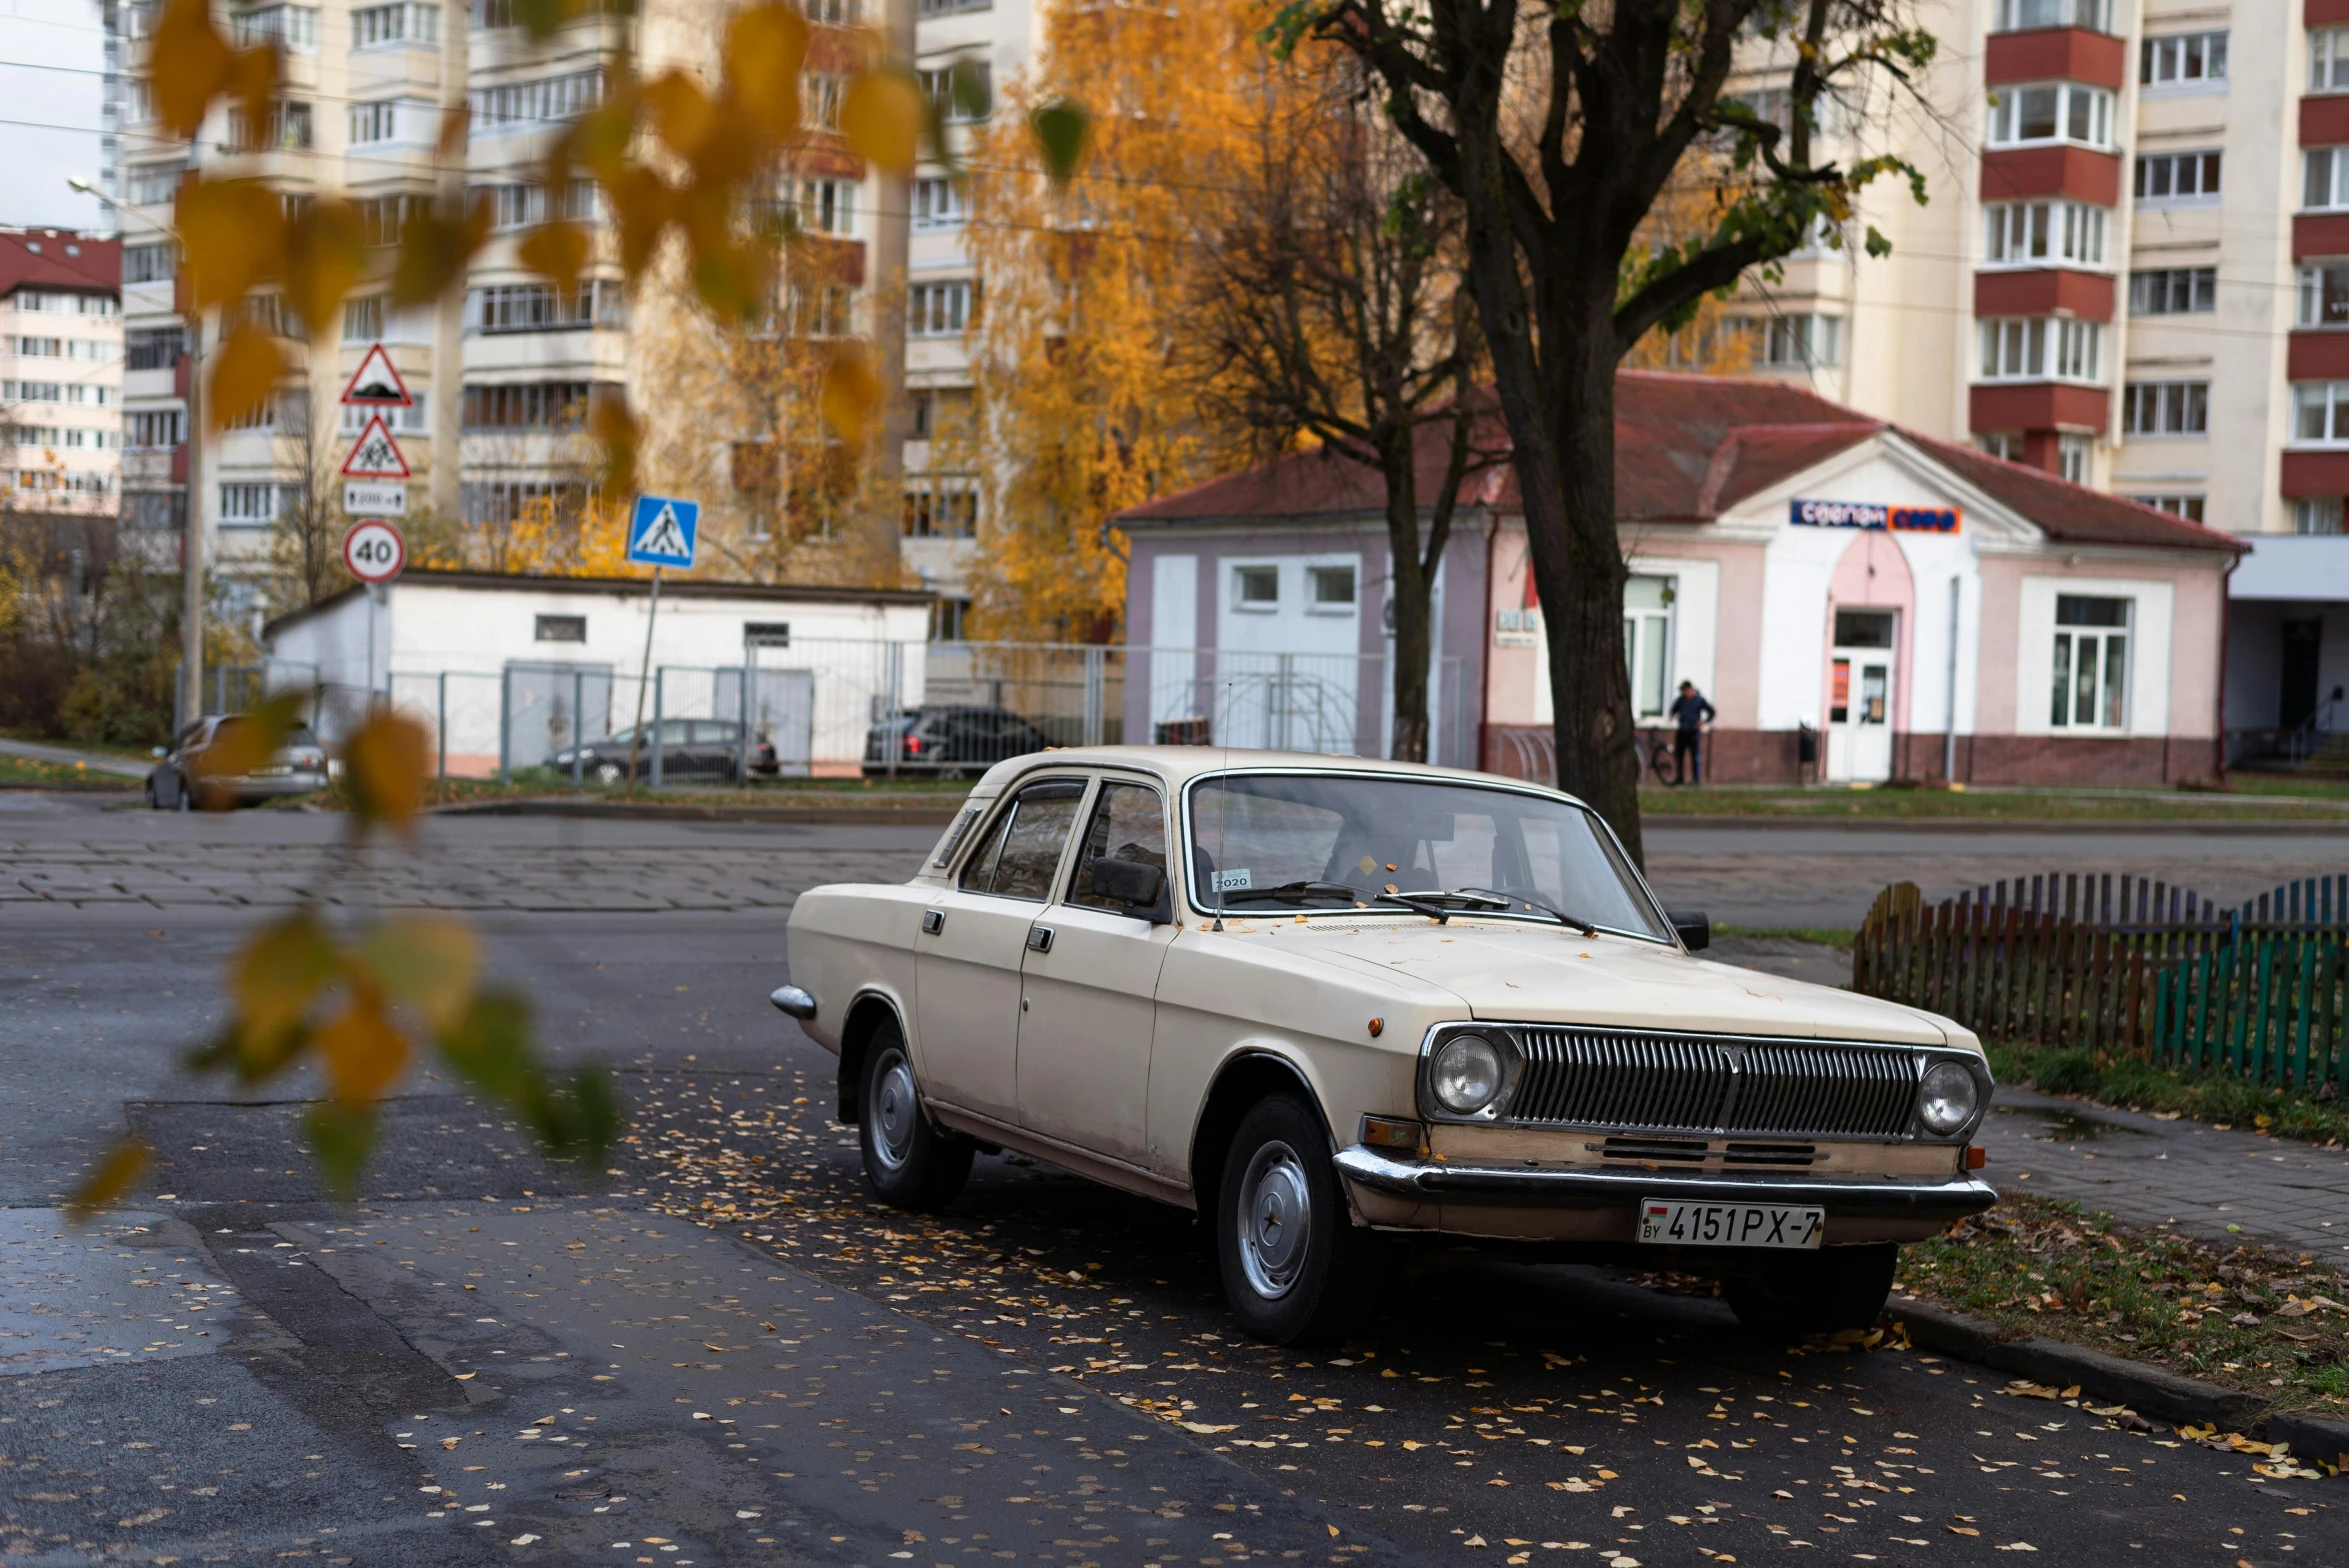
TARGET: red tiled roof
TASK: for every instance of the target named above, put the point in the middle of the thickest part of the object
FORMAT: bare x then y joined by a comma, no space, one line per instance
1687,449
40,258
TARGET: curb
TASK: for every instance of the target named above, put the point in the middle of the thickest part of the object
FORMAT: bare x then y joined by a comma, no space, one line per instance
923,814
2147,1390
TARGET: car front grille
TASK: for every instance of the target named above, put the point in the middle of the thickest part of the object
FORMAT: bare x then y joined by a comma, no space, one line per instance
1681,1083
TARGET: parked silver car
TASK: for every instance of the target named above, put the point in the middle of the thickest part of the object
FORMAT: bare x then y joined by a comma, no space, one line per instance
297,767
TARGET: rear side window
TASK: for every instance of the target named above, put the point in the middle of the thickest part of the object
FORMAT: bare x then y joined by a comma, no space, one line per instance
1021,850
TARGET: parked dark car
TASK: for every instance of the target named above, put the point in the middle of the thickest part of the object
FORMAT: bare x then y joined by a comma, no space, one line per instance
957,740
297,767
690,749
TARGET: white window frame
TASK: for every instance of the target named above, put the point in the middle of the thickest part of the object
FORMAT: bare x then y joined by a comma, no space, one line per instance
245,491
1648,634
1316,575
2320,414
1799,341
2328,60
2075,457
1246,572
2075,647
2324,179
292,27
944,309
2023,16
2180,410
2320,515
2041,348
2022,234
2199,159
939,203
401,25
2006,111
2146,298
2175,65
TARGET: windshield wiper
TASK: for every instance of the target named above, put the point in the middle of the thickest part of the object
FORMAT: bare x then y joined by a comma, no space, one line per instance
1559,915
1442,906
1293,892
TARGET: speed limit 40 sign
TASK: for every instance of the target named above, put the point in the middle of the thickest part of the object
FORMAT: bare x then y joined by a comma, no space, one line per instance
373,551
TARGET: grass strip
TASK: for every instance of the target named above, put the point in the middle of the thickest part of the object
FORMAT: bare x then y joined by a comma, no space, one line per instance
29,773
2267,1321
2138,1085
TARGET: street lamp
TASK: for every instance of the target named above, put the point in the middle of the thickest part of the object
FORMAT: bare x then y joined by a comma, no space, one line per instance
191,630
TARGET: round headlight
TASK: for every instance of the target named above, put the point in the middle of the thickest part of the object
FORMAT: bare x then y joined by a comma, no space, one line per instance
1466,1075
1946,1099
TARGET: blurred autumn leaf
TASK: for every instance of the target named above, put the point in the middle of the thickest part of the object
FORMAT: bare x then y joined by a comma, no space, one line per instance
110,1182
244,744
384,764
852,392
245,371
882,115
1061,128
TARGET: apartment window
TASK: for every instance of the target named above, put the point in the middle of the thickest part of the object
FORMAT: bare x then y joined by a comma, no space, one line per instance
383,218
951,621
939,310
2018,16
393,24
147,263
2320,413
2073,454
2051,112
827,206
1647,644
524,204
534,405
2091,663
951,7
542,102
1329,589
2187,506
293,28
411,420
835,13
33,392
2177,176
91,397
96,351
1798,342
2041,348
562,628
2316,514
975,100
38,348
153,348
819,310
2328,60
944,507
939,204
2183,60
819,99
2027,233
248,505
374,122
536,307
287,129
363,319
2173,291
154,184
151,429
1256,587
2006,445
2166,408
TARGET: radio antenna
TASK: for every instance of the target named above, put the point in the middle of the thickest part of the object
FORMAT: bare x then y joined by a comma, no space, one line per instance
1223,824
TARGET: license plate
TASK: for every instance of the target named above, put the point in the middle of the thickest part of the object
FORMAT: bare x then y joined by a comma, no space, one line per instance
1729,1224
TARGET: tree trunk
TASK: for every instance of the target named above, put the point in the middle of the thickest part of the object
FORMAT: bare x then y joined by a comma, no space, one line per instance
1411,583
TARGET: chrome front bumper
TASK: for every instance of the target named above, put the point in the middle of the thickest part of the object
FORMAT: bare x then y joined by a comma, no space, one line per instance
1446,1182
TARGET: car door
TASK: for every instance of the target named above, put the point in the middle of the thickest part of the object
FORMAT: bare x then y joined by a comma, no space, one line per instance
1089,986
974,934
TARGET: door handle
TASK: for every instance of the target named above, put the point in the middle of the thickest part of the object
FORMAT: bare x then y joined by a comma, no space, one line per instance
933,921
1040,938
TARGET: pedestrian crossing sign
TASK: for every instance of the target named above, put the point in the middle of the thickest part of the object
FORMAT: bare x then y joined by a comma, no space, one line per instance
661,531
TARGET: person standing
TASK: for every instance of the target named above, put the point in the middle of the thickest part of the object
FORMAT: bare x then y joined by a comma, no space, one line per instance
1690,714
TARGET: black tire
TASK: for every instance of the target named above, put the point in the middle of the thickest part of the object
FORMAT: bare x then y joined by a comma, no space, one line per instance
1278,1180
910,1163
1821,1292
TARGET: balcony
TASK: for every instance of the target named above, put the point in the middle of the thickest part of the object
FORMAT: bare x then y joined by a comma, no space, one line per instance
2044,291
2080,173
2099,59
2037,405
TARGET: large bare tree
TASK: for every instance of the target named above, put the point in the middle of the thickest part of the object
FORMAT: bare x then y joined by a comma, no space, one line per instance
1328,305
1559,125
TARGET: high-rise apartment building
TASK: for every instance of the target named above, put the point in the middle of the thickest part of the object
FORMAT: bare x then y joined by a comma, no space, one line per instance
2134,267
60,373
504,374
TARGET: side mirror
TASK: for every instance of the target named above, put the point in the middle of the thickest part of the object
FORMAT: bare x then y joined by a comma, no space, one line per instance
1130,882
1694,926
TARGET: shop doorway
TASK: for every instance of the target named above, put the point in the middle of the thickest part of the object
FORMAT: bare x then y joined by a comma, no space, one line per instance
1860,676
2303,646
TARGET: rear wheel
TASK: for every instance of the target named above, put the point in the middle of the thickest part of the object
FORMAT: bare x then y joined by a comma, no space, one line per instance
909,1162
1819,1292
1296,1268
609,772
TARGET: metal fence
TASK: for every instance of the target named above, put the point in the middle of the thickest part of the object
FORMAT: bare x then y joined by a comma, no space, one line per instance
831,707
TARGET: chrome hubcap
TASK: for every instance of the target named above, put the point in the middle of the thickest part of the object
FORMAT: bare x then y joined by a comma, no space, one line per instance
1276,1220
893,1112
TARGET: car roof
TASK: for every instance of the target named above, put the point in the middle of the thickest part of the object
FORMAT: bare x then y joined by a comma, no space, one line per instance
1178,765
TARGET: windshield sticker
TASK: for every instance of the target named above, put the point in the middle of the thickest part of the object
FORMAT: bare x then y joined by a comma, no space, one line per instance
1235,881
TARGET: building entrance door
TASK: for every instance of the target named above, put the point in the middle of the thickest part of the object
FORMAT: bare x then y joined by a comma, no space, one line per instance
1860,674
2296,701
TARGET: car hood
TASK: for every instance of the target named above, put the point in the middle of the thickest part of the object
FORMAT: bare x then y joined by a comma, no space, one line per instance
1543,974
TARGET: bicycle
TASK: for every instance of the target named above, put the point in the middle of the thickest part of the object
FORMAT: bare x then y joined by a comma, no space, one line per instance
1651,752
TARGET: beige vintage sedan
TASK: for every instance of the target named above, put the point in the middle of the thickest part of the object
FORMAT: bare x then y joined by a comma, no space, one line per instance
1329,1003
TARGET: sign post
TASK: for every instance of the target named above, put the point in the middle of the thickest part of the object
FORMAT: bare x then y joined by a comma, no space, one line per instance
375,553
661,532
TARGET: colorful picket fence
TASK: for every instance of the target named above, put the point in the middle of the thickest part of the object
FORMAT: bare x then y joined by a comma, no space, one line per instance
2128,965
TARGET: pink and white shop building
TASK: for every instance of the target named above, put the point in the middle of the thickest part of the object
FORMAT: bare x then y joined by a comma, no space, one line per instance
1860,603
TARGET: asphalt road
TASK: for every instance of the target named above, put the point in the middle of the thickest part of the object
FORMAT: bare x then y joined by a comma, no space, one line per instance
723,1353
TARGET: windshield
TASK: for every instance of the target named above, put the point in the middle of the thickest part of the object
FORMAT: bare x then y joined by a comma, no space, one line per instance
1268,842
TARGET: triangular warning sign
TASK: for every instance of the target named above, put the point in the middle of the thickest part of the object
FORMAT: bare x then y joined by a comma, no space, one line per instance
377,382
377,456
661,536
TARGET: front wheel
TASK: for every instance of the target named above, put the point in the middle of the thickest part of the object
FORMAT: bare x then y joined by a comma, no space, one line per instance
909,1163
608,773
1296,1268
1819,1292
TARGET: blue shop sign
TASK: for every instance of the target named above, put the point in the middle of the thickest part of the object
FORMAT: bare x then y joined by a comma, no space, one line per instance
1874,514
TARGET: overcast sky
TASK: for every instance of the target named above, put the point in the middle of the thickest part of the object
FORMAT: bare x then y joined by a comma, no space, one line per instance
51,55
